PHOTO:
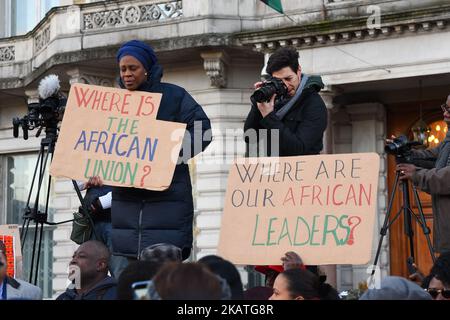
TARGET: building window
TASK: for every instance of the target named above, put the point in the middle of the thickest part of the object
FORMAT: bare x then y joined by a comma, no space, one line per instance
19,174
26,14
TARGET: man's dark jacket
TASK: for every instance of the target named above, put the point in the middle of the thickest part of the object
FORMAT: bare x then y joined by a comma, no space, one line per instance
300,131
104,290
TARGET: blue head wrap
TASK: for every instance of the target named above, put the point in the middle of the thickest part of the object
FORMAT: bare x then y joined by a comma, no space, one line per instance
139,50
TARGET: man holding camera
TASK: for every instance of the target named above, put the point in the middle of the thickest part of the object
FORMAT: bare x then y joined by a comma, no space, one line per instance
288,107
434,181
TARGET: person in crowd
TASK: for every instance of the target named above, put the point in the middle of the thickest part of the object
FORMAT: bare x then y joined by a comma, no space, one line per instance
296,121
137,271
188,281
151,260
292,261
439,278
430,172
141,217
396,288
161,253
270,273
15,289
89,272
227,271
296,284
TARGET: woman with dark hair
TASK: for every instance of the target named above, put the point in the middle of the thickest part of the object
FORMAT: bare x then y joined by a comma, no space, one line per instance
299,284
188,281
227,271
140,217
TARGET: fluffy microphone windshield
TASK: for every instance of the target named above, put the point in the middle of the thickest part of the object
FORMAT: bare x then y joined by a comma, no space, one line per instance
48,86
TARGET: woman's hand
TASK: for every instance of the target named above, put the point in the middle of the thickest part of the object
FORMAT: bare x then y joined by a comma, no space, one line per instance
94,181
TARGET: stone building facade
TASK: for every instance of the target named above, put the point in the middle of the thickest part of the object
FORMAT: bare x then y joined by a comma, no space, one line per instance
373,57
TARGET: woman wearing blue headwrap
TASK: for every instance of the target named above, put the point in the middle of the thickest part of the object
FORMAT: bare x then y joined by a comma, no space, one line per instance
140,217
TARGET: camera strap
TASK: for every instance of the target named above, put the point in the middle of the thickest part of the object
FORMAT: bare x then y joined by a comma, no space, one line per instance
285,109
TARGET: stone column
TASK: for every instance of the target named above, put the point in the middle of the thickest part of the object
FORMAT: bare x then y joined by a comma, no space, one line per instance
327,97
368,123
226,109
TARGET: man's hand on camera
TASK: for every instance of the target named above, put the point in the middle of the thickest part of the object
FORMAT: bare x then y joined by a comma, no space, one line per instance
387,141
95,181
266,107
406,170
258,85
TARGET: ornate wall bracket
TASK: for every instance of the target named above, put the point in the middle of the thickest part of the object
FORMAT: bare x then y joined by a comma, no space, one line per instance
214,64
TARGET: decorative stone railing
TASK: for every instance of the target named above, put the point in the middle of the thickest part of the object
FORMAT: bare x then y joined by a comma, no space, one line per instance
132,13
66,20
7,53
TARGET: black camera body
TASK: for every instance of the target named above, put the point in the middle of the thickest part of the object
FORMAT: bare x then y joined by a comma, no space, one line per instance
268,89
46,113
401,148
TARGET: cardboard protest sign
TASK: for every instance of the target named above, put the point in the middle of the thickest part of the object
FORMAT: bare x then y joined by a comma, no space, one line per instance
10,236
113,133
321,207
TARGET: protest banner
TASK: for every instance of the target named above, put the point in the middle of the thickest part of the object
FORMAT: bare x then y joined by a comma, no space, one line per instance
322,207
113,133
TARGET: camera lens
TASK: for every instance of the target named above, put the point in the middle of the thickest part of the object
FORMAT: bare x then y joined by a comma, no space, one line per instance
264,93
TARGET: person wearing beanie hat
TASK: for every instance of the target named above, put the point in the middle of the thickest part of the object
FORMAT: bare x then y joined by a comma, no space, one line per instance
136,59
161,253
396,288
142,218
140,50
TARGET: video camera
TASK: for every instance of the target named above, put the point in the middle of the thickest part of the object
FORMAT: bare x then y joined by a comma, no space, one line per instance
46,113
268,89
401,148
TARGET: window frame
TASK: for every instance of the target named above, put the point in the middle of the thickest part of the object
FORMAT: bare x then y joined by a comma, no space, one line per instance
45,274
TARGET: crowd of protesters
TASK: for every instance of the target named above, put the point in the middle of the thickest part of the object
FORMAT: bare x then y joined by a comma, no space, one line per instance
160,274
160,223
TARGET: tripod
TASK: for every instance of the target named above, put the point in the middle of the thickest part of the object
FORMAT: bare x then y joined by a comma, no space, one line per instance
407,214
33,213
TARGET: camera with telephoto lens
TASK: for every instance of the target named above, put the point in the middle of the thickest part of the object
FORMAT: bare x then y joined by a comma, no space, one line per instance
47,113
401,148
268,89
